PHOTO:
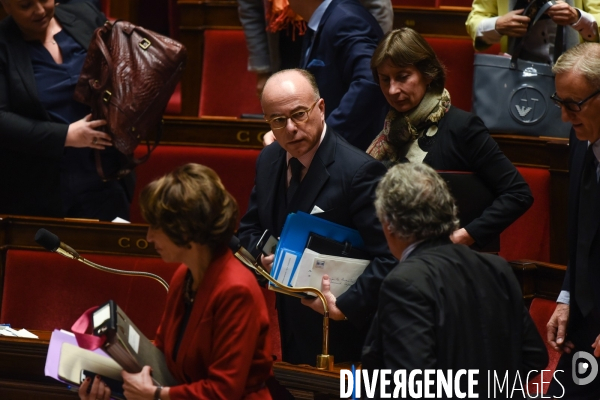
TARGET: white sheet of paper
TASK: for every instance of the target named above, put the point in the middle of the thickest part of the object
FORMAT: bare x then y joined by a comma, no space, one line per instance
342,271
287,266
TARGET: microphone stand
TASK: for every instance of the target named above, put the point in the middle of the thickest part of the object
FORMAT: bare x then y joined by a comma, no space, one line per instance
325,360
89,263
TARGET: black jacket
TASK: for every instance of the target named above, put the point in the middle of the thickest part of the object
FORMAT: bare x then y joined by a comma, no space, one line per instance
31,146
449,307
341,181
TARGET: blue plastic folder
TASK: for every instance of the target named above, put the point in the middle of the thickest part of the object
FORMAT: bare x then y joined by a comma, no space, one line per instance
298,226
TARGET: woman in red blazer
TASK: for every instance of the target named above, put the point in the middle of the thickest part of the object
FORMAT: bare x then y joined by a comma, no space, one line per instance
215,328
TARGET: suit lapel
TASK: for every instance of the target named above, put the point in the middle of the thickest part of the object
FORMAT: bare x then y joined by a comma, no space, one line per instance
203,297
317,37
316,176
75,27
275,187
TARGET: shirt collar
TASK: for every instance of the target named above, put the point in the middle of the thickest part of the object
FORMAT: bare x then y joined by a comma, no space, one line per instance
307,158
411,247
315,19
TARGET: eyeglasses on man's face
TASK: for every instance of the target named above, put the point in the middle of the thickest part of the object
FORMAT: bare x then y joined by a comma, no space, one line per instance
297,117
571,105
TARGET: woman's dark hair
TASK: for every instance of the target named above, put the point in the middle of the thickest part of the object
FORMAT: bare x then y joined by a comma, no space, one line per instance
191,204
404,47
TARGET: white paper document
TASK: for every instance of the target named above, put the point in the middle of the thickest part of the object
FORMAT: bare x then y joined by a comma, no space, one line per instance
342,271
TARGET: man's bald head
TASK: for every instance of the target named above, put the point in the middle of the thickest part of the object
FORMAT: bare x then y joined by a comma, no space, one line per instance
292,96
294,78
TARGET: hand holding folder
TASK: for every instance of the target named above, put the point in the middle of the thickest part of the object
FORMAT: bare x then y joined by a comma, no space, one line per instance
128,346
311,247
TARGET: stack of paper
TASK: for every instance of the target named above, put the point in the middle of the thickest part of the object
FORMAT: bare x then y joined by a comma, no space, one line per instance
342,271
298,266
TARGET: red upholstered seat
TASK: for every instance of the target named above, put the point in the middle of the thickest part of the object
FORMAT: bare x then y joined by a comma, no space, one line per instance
228,89
235,167
541,310
529,236
46,291
418,3
455,3
457,56
174,104
105,7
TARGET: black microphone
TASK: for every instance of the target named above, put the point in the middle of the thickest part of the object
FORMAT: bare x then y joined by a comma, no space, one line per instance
237,248
51,242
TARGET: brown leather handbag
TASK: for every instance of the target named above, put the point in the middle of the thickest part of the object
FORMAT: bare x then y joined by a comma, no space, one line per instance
127,79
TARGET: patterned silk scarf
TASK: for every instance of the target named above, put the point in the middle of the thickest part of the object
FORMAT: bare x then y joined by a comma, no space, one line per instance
402,129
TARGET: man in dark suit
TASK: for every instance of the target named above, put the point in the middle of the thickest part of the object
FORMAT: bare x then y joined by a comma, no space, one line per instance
445,307
312,169
574,327
337,49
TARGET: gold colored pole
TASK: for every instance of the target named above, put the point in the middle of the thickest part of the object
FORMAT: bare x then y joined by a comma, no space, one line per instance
115,271
325,360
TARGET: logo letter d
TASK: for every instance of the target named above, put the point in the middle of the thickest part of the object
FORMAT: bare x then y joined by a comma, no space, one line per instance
346,383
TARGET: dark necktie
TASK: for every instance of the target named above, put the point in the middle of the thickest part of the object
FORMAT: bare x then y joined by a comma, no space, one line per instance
586,224
306,45
296,167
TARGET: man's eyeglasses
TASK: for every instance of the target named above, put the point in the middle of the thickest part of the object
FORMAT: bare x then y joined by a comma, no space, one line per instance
297,117
571,105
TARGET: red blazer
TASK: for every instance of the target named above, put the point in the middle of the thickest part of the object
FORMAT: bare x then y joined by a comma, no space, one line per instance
225,352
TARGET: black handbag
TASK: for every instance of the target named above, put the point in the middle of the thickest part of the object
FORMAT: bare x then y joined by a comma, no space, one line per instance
512,95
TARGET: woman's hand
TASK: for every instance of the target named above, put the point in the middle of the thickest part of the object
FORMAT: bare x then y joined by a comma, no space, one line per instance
512,24
138,386
461,236
99,390
563,14
83,133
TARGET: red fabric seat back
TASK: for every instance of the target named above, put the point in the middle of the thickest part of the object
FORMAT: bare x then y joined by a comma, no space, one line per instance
105,7
529,236
228,88
457,55
46,291
541,310
418,3
455,3
235,167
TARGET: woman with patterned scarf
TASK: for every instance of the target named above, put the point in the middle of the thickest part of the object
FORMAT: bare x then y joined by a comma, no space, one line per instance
422,126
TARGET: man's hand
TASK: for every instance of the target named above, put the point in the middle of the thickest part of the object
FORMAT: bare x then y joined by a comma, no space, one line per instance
461,236
556,329
563,14
596,346
267,262
512,24
268,138
317,305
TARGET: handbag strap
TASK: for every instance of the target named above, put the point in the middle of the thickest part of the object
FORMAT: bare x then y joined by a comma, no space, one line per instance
82,331
107,57
519,46
131,161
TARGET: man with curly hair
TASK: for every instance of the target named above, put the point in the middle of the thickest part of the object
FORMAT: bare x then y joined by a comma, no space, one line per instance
445,306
